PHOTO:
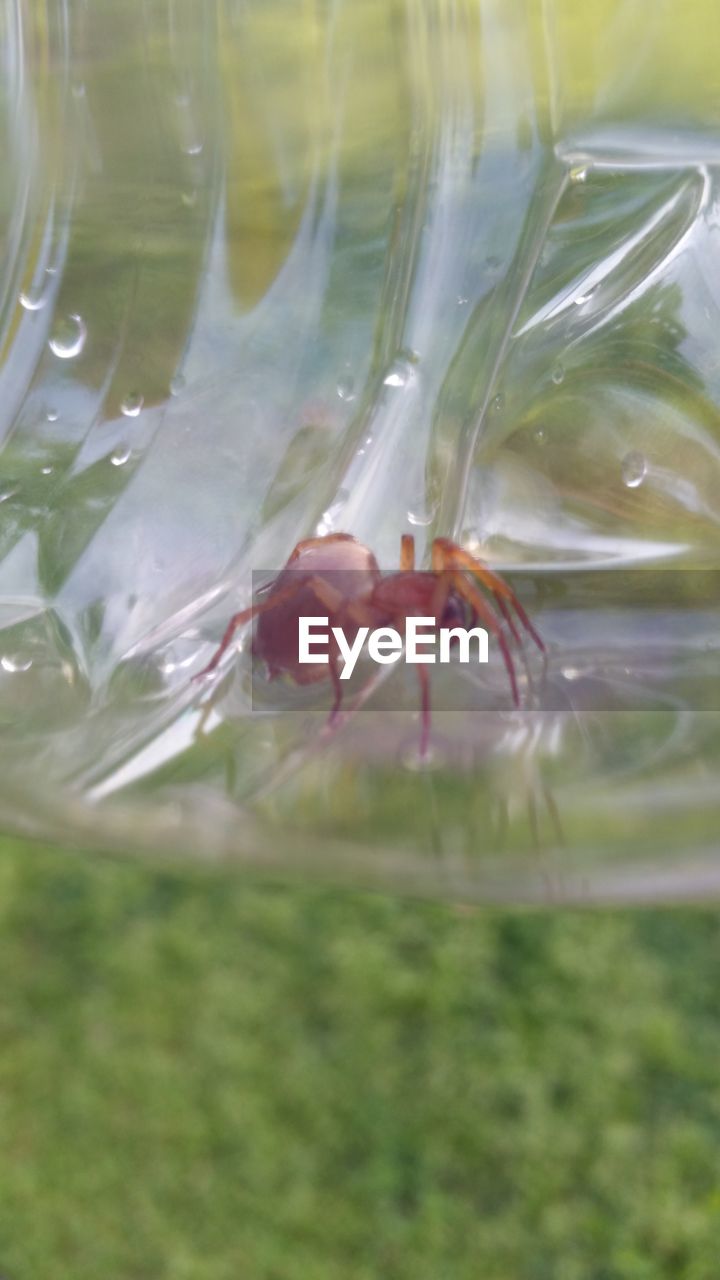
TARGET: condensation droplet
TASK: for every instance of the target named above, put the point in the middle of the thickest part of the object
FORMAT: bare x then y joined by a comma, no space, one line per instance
571,673
421,515
471,542
177,385
498,403
397,378
462,301
539,435
193,149
346,387
14,664
120,455
32,299
579,173
6,494
634,470
132,404
174,659
46,471
69,337
558,374
52,415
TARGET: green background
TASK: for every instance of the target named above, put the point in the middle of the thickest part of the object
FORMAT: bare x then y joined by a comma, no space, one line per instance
203,1080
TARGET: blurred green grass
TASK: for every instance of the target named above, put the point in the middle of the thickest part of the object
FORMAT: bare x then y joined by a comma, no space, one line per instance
202,1080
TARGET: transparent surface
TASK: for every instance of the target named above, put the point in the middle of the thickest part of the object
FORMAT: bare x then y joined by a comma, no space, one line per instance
272,269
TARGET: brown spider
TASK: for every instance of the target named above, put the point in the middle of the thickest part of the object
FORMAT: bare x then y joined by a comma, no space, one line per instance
342,576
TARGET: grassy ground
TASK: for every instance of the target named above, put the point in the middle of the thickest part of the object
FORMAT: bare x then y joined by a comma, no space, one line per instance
203,1080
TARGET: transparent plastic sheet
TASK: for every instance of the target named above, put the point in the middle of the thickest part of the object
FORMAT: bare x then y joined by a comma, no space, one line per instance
274,269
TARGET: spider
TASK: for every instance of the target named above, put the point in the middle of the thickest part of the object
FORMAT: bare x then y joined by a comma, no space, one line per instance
342,576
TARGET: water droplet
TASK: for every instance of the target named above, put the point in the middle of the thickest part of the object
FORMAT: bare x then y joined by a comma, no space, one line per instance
539,435
558,374
174,657
471,542
132,404
32,299
120,455
13,664
346,387
421,515
634,469
69,337
397,378
193,148
78,90
52,415
7,492
177,385
46,471
462,301
579,173
571,673
498,403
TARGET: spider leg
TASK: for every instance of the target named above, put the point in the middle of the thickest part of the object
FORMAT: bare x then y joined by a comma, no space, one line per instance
407,553
440,595
363,613
447,554
424,679
509,620
333,655
239,620
485,613
327,595
332,600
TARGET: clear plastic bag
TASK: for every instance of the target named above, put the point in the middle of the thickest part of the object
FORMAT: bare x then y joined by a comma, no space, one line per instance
273,270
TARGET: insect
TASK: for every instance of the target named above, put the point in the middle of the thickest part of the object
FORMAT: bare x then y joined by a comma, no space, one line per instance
341,576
